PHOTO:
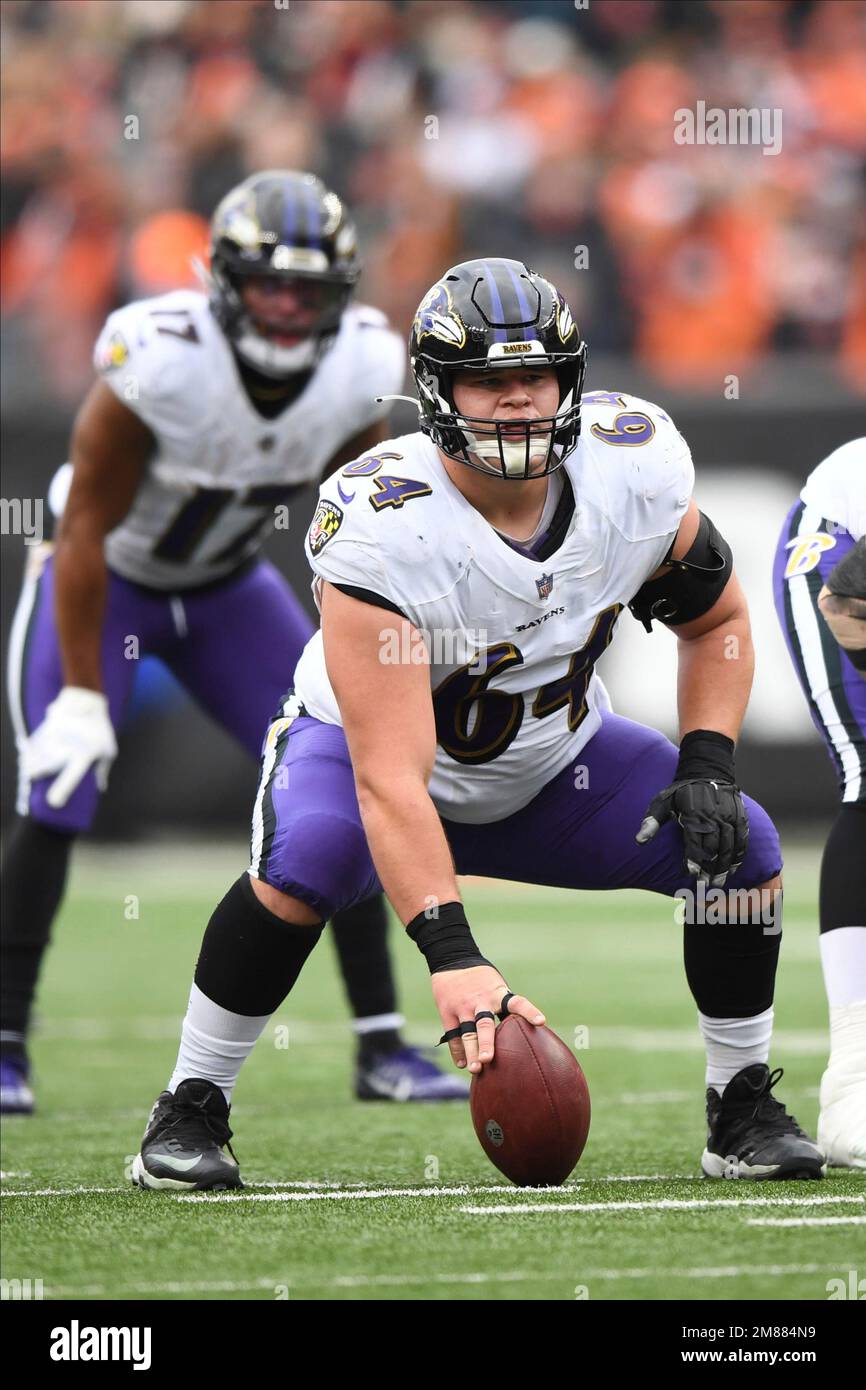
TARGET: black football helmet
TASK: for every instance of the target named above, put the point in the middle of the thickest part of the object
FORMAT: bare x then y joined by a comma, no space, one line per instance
288,227
485,315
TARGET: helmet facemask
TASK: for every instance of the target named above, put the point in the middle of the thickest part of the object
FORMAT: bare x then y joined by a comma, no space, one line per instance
258,346
507,448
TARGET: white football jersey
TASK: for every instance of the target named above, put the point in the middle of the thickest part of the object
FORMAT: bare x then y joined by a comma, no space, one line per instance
837,487
221,469
513,640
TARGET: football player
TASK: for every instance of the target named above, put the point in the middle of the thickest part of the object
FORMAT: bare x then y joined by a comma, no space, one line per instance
210,411
447,719
820,591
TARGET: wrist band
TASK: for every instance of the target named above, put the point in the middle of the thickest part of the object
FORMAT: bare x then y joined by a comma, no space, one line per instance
445,940
706,753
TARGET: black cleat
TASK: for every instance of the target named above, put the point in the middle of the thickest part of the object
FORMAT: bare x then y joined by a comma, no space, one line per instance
751,1135
182,1148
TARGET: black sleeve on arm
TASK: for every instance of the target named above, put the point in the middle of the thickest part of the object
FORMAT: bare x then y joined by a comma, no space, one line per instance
367,596
692,585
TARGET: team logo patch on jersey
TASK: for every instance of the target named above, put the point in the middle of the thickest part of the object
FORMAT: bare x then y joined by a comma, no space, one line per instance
806,551
326,524
114,354
544,585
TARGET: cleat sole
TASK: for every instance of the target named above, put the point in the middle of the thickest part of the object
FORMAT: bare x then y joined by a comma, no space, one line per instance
807,1170
148,1182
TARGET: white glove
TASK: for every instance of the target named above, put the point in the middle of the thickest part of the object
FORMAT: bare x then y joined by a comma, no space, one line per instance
75,734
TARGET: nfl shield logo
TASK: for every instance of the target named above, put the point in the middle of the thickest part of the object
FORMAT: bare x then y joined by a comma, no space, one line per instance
544,585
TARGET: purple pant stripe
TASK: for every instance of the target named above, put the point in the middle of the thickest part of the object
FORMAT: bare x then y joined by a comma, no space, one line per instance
577,833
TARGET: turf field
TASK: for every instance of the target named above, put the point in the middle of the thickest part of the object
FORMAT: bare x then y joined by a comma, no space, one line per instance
349,1200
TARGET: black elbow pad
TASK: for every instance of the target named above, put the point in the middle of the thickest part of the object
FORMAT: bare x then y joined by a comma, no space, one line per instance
691,586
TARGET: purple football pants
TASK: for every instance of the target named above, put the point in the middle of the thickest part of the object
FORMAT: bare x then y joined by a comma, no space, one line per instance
808,549
233,645
579,832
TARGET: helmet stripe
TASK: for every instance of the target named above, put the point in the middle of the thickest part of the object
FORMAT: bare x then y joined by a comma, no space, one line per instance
289,210
500,334
314,219
528,331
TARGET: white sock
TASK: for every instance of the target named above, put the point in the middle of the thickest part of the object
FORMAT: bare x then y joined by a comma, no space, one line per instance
734,1043
848,1037
843,957
378,1023
214,1043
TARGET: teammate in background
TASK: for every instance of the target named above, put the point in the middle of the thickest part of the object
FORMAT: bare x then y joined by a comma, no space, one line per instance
509,528
210,411
820,590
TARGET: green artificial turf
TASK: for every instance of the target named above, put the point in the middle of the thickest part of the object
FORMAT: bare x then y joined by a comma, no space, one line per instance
607,970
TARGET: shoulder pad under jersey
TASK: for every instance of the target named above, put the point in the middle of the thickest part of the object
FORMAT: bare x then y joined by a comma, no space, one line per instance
152,352
633,464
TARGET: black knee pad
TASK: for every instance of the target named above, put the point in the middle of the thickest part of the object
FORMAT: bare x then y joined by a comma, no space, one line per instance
731,967
250,958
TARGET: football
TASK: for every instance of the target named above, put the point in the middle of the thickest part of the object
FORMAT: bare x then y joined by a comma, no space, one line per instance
530,1105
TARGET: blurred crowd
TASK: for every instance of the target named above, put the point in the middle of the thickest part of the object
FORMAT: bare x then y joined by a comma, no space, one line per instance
542,129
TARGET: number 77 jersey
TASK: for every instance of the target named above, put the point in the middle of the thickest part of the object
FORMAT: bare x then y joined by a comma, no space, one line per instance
512,634
221,470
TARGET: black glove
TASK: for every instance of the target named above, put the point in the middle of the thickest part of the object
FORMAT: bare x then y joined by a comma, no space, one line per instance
708,804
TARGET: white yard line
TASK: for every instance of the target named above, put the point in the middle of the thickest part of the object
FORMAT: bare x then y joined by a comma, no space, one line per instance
662,1204
365,1194
808,1221
791,1041
687,1097
469,1277
572,1183
327,1190
378,1193
60,1191
325,1186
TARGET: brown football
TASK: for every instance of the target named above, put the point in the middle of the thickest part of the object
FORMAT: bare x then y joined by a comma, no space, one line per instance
530,1105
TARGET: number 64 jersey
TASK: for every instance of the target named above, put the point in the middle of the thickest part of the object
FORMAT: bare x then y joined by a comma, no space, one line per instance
512,636
220,468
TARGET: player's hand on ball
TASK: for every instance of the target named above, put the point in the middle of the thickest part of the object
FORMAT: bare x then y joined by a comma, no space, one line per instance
75,736
714,823
461,995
